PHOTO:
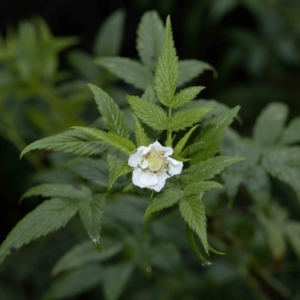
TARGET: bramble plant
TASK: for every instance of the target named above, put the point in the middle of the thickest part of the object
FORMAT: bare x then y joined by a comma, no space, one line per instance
167,154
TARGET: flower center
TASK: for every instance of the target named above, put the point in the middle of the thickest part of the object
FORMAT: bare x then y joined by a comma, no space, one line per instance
155,160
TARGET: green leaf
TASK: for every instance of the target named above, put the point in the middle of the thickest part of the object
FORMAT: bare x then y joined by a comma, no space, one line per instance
291,134
163,200
213,134
284,164
115,279
140,135
149,113
193,244
191,68
130,71
93,170
59,190
180,145
75,283
112,115
71,141
106,43
85,253
270,123
149,38
186,118
200,187
193,212
149,94
91,214
292,231
47,217
207,169
166,74
186,95
124,145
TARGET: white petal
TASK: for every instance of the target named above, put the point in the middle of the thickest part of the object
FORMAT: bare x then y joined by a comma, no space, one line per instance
136,177
143,164
175,166
161,181
149,179
146,150
157,146
135,158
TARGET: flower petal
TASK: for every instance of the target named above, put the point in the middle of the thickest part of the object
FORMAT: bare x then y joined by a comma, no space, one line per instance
149,179
136,177
161,181
143,163
157,146
135,158
175,166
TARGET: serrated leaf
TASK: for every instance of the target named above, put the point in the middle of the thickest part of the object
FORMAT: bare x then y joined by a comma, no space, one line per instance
47,217
166,74
140,134
107,43
213,134
186,95
193,244
191,68
59,190
200,187
94,170
75,283
130,71
291,134
284,164
124,145
91,214
163,200
270,123
207,169
193,212
292,231
112,115
149,38
149,94
180,145
115,279
71,141
85,253
186,118
149,113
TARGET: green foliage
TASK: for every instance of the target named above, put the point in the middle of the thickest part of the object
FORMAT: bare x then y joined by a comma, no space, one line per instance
166,74
91,213
129,70
72,141
111,139
193,212
75,282
149,39
106,43
164,200
200,187
59,190
140,134
207,169
149,113
213,134
191,68
186,118
180,145
186,95
47,217
113,117
270,123
84,253
290,135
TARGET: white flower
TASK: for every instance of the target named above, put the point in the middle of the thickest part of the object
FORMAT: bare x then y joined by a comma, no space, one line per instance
152,166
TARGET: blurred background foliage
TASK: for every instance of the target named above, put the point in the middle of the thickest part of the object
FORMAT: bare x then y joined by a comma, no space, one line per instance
45,62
